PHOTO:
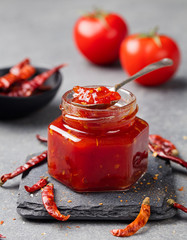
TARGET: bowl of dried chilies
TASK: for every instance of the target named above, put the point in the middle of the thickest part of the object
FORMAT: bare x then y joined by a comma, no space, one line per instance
25,88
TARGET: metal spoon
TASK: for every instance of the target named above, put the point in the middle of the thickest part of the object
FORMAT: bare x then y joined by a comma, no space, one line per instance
165,62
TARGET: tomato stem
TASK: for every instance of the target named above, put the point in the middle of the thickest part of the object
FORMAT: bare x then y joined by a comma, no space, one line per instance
98,14
152,34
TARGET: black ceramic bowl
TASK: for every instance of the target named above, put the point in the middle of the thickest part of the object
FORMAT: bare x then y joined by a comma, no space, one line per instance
12,107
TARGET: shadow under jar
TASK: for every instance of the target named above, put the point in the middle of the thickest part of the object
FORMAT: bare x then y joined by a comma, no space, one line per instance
92,150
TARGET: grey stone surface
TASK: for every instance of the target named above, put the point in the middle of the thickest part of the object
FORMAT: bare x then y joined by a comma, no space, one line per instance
85,206
42,30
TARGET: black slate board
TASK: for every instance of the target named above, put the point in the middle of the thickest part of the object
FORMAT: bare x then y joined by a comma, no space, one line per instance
115,205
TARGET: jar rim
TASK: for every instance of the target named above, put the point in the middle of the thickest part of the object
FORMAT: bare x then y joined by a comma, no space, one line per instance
67,97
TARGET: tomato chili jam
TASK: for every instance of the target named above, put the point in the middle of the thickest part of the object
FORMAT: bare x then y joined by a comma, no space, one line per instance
98,149
95,95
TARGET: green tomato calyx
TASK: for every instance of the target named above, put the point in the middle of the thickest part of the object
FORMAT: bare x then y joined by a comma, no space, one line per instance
96,13
152,34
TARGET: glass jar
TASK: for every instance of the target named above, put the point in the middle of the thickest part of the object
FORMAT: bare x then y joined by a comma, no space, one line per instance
98,149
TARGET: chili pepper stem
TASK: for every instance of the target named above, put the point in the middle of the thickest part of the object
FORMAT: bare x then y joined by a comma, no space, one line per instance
174,152
1,183
177,205
146,201
49,184
170,201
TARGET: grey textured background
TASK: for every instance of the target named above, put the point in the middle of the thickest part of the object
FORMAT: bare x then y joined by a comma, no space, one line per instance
42,30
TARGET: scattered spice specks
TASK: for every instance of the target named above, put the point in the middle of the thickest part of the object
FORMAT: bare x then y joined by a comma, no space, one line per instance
156,176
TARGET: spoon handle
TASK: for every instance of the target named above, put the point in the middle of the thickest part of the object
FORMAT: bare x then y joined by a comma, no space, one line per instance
165,62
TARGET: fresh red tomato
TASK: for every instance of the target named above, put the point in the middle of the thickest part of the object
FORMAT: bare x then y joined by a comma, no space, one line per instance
98,36
139,50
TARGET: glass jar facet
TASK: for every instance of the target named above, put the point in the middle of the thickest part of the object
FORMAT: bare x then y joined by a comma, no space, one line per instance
98,150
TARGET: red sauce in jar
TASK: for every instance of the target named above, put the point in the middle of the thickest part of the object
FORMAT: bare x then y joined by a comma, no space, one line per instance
98,150
95,95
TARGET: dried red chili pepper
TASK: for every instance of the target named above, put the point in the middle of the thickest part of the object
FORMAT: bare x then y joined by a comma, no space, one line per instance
15,70
21,71
176,205
165,149
31,162
27,88
1,236
49,203
7,80
161,144
38,185
26,72
40,138
138,223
